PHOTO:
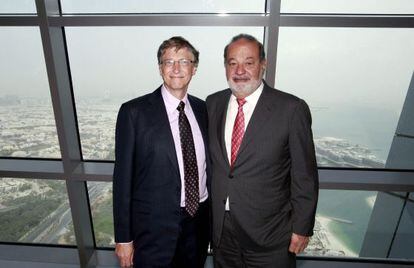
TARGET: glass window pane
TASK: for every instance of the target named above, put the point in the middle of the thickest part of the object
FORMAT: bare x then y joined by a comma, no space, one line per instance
35,211
342,221
349,6
403,242
112,65
17,6
100,198
355,82
363,224
163,6
27,125
342,218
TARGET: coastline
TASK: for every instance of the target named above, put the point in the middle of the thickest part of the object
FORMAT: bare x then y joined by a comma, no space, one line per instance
333,243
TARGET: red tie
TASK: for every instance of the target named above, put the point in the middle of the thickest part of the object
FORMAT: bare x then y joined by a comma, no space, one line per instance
238,131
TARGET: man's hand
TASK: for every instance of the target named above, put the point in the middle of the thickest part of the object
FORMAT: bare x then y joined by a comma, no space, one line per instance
125,254
298,243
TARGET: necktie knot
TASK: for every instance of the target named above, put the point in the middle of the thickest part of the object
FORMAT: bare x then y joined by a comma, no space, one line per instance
241,102
180,107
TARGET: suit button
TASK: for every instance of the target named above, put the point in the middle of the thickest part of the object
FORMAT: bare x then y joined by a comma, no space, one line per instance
231,176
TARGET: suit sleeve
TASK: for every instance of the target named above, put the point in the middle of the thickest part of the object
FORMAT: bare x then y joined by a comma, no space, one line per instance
304,172
123,172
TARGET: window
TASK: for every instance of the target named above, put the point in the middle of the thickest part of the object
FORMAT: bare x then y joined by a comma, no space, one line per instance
112,65
163,6
100,198
17,6
349,6
339,227
27,125
355,82
35,211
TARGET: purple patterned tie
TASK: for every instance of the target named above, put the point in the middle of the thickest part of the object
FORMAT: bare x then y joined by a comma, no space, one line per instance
190,162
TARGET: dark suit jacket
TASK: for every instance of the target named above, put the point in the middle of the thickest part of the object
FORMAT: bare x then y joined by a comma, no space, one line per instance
273,186
147,185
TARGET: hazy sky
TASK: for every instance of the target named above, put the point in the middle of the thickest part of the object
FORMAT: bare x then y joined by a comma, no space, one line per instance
356,78
312,61
370,65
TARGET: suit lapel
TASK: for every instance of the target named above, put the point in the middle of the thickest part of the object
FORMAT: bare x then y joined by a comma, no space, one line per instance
161,122
259,117
200,115
221,125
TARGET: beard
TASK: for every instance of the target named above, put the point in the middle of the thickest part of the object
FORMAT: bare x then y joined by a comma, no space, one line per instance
245,89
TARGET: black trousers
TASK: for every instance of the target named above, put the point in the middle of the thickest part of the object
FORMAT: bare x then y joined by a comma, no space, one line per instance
192,242
193,239
230,254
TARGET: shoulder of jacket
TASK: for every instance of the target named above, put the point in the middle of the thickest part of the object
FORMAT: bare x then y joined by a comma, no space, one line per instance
219,94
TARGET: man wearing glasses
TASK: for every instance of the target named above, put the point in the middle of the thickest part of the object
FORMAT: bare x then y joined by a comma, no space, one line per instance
160,176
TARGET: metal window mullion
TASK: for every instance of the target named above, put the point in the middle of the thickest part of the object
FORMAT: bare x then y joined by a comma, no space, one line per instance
57,66
271,37
19,20
330,178
346,20
161,20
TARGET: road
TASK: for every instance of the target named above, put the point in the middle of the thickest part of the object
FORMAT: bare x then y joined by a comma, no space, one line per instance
58,222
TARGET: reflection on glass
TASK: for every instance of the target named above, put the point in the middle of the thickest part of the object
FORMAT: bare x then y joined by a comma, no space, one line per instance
341,222
163,6
112,65
35,211
17,6
27,125
355,82
100,198
349,6
403,242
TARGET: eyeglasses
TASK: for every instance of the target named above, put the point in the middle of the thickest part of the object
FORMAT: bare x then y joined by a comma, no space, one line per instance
182,62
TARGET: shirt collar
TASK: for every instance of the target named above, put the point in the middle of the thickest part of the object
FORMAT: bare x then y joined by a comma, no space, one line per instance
171,102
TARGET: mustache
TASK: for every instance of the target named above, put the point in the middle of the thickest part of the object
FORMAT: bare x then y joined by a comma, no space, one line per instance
240,78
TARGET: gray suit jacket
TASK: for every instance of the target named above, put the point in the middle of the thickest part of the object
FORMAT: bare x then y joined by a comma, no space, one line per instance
273,185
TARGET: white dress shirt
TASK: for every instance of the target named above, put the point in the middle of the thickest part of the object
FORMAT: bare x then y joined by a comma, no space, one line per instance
232,110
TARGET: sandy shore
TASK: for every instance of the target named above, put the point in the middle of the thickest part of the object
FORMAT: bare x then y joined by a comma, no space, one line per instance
334,243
